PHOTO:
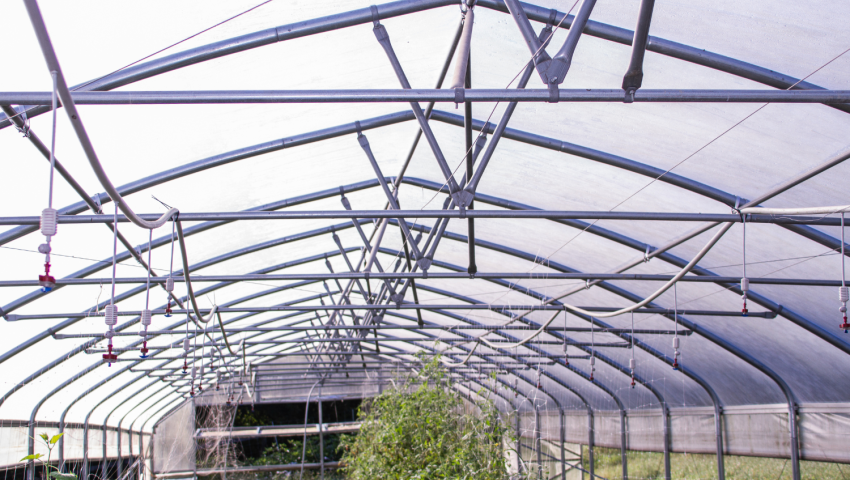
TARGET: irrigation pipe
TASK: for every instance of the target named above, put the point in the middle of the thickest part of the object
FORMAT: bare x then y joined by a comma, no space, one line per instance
796,211
631,308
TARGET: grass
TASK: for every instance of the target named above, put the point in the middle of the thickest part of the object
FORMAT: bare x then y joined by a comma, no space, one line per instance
650,465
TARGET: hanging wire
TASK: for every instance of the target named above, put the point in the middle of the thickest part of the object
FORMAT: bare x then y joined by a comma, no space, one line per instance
592,350
53,74
745,282
114,250
566,357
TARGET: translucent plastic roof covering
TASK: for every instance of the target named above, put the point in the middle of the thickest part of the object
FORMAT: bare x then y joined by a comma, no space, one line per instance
568,156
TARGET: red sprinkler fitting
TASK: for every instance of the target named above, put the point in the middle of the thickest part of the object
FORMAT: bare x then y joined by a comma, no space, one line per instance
46,281
168,310
591,376
184,367
633,382
744,310
110,357
144,350
192,392
845,325
675,364
200,388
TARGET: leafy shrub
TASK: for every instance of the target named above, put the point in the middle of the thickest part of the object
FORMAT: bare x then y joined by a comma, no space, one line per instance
423,430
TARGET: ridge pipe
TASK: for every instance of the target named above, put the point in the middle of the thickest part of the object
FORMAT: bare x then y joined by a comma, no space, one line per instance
480,214
384,11
315,277
207,97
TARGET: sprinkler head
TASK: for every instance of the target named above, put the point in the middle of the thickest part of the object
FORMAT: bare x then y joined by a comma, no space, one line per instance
168,311
675,364
46,282
110,357
633,382
144,350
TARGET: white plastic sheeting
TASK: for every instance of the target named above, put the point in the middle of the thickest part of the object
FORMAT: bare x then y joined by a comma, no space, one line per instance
586,169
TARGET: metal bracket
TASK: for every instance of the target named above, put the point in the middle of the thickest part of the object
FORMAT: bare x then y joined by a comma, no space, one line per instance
646,254
96,199
630,95
460,96
25,128
376,19
554,95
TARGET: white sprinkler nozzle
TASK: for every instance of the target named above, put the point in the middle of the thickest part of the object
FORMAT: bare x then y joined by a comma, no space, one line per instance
745,285
592,361
194,372
843,294
632,364
111,315
146,317
49,219
186,344
169,285
675,343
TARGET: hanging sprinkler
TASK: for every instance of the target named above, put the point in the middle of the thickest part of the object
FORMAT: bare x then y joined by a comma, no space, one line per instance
185,353
111,311
843,291
194,375
676,319
632,368
111,319
146,313
169,287
49,216
146,321
516,388
592,365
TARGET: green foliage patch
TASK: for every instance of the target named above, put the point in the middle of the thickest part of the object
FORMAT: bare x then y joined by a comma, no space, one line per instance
423,430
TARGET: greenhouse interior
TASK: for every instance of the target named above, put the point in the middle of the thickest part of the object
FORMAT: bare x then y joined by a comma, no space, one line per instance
392,305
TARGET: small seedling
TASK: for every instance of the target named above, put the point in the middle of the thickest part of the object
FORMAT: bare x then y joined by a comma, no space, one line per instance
50,443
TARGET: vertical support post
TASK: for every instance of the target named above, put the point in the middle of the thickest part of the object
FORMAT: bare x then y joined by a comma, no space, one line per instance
85,471
103,455
623,456
590,442
563,441
470,160
321,439
120,465
666,413
537,442
795,447
718,433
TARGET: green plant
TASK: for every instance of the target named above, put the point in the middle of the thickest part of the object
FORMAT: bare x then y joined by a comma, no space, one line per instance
426,431
50,443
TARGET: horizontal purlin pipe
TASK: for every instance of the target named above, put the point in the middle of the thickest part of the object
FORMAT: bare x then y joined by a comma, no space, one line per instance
481,214
320,308
195,97
805,282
